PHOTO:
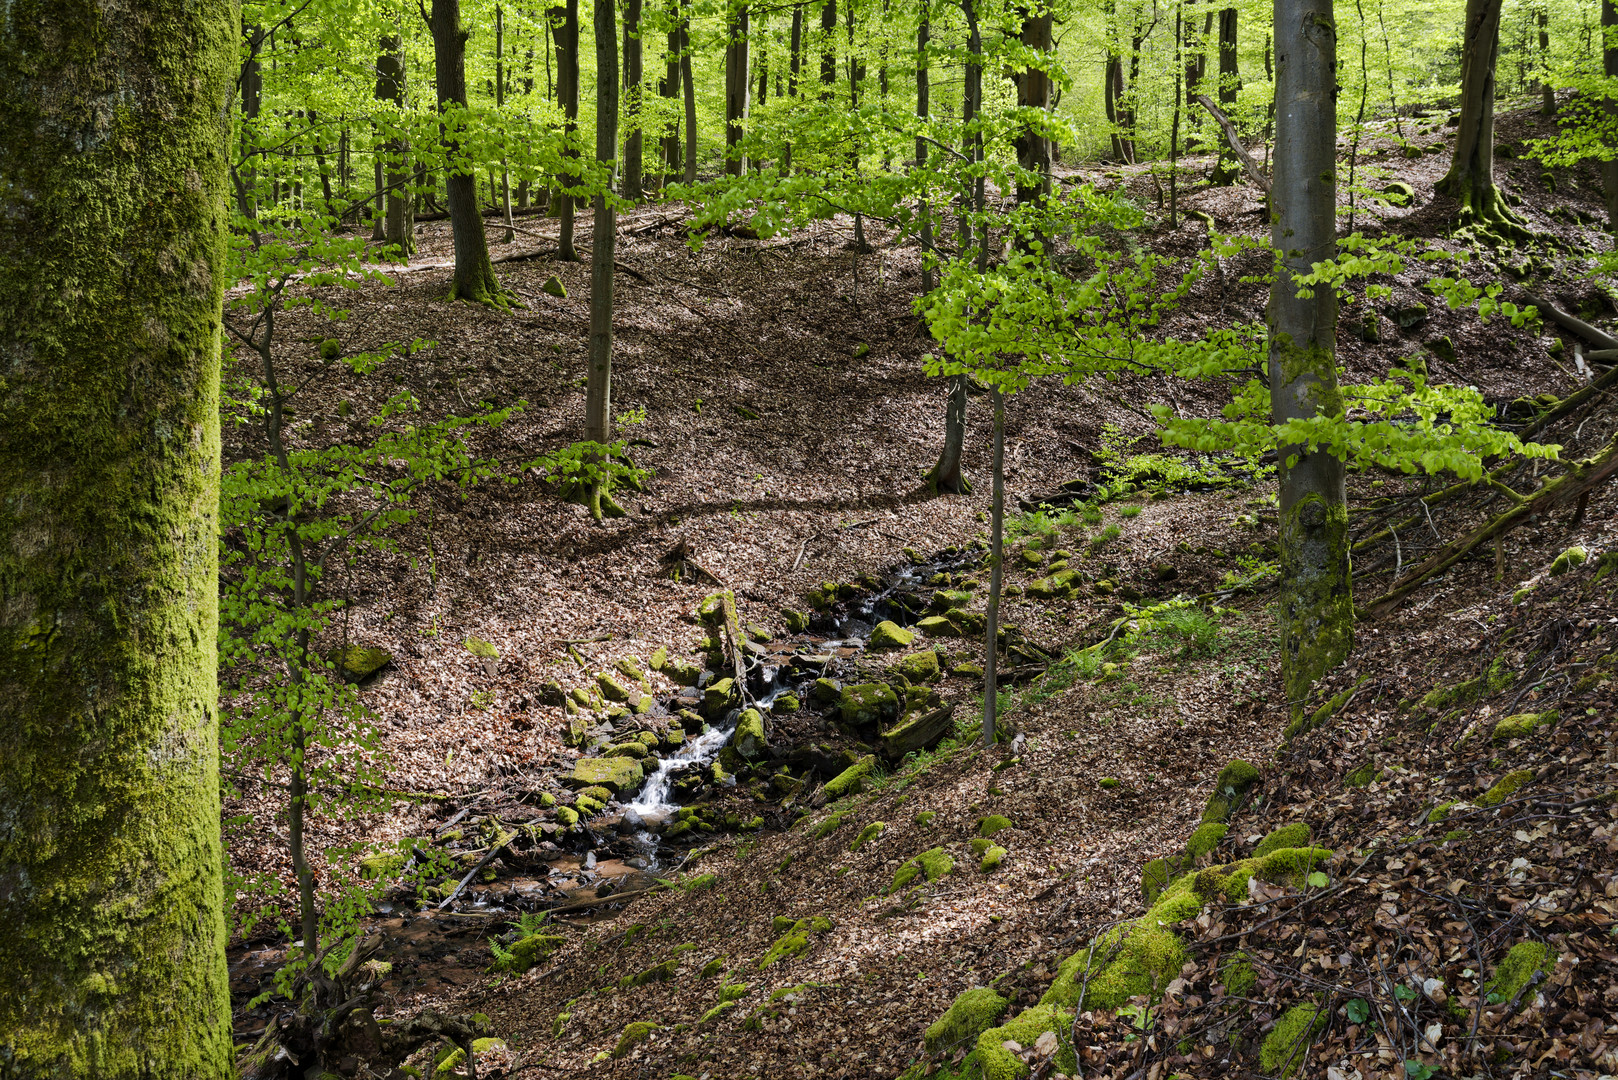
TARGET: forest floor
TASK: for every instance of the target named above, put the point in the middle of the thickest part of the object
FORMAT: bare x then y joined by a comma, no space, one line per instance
787,425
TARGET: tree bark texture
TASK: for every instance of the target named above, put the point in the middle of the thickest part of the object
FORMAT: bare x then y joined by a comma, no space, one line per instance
1227,170
738,83
1470,180
565,31
794,63
1609,63
603,241
631,187
474,278
1034,93
689,82
1317,608
113,185
670,88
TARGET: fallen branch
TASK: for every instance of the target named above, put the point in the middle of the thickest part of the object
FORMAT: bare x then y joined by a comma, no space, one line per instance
1599,338
611,898
1249,166
1580,478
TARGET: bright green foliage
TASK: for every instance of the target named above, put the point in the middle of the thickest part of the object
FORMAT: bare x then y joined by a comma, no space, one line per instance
969,1015
1285,1047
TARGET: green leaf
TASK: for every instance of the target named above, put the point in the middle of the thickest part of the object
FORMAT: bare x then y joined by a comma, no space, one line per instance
1359,1010
1319,880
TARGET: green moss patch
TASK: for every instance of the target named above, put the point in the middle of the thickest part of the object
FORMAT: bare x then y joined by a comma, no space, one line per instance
1230,785
656,973
992,858
1521,725
1287,1044
999,1063
993,824
795,942
1205,838
972,1013
1295,835
633,1035
867,834
934,863
1505,787
1513,973
1237,973
851,779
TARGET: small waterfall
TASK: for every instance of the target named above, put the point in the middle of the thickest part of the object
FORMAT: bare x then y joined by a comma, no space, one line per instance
698,751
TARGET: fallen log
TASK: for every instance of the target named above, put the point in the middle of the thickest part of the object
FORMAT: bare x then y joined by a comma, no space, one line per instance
1599,338
1581,478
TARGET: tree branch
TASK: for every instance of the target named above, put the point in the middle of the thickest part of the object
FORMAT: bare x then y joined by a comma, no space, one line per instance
1249,166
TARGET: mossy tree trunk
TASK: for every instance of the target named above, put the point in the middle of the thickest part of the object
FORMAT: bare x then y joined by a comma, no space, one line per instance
565,31
1470,180
112,218
474,278
598,388
1317,609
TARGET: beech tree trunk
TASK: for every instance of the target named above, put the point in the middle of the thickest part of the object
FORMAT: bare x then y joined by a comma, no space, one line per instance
1230,81
670,89
598,387
690,99
631,187
1547,106
113,186
1609,62
1034,92
1113,86
1317,608
565,31
1470,180
794,63
738,84
474,278
500,103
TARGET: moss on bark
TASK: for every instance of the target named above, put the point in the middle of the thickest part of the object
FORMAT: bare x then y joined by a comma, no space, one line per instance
112,185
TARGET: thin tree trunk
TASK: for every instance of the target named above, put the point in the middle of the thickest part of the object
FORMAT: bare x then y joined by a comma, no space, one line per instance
598,390
794,63
669,87
761,33
474,278
690,99
1470,180
1609,63
500,103
1174,127
1547,92
856,79
113,187
252,79
632,186
924,31
828,57
565,29
1112,83
1034,92
997,521
738,84
1317,608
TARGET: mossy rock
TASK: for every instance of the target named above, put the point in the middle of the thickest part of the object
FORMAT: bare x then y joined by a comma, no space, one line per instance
716,1012
918,730
1157,875
355,663
993,824
682,672
795,942
1362,776
938,626
554,287
786,703
1024,1029
867,704
712,967
748,738
851,780
992,859
616,774
1514,972
526,952
867,834
825,691
969,1015
480,648
1287,1045
1205,838
828,825
1399,193
632,1036
1230,785
1569,560
1295,835
719,698
1521,725
933,863
890,635
567,817
920,667
1505,787
1107,783
383,865
656,973
611,688
796,621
